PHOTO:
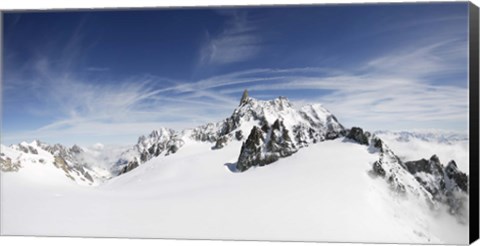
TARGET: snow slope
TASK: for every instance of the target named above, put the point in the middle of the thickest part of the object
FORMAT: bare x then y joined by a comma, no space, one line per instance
323,182
318,194
32,162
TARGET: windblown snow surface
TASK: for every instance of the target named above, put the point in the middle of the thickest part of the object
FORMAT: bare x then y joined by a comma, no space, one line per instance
322,193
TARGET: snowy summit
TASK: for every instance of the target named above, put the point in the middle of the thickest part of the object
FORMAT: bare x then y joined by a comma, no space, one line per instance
310,155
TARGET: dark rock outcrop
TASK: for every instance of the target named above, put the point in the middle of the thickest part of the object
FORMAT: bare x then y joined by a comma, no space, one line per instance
251,152
446,183
357,134
280,141
159,142
460,179
244,98
7,165
129,167
432,166
310,124
76,149
239,135
221,142
266,145
378,169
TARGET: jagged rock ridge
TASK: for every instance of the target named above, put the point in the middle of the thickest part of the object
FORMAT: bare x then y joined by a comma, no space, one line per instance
439,183
268,131
446,183
66,159
285,129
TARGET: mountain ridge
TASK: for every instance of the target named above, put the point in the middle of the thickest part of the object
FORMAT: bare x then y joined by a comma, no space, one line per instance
312,123
268,131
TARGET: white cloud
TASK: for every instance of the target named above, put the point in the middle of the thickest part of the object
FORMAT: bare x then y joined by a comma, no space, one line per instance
238,41
437,58
398,90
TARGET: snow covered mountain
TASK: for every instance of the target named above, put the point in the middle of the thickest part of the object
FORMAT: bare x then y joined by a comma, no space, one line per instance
445,183
57,158
430,180
272,129
318,172
419,144
276,130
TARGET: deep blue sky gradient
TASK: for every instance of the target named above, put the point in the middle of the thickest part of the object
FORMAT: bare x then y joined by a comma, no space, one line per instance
164,48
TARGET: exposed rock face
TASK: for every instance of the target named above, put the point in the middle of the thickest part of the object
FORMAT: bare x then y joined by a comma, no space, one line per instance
68,154
280,141
265,146
160,142
388,166
7,165
437,183
62,164
455,175
222,141
76,149
445,183
378,169
129,166
244,98
251,152
377,143
434,168
357,134
66,159
310,124
239,135
276,130
25,148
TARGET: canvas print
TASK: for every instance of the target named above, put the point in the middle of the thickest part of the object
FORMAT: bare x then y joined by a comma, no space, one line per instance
326,123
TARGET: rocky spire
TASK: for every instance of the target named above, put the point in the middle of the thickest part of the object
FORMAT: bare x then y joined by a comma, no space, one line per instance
245,97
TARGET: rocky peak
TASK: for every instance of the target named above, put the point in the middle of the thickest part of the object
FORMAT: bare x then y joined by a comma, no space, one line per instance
244,98
459,178
444,183
251,151
435,159
163,141
278,128
255,138
76,149
68,160
357,134
270,142
451,167
431,166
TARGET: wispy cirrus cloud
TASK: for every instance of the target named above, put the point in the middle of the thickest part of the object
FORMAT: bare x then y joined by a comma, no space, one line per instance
98,69
86,110
398,89
239,41
437,57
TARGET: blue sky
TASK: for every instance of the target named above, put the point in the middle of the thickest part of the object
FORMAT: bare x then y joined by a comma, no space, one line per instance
110,76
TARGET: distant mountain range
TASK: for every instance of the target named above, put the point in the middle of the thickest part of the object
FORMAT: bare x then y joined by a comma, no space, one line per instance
425,135
269,131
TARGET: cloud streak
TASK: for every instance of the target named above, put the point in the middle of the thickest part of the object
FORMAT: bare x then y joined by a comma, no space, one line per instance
397,90
239,41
